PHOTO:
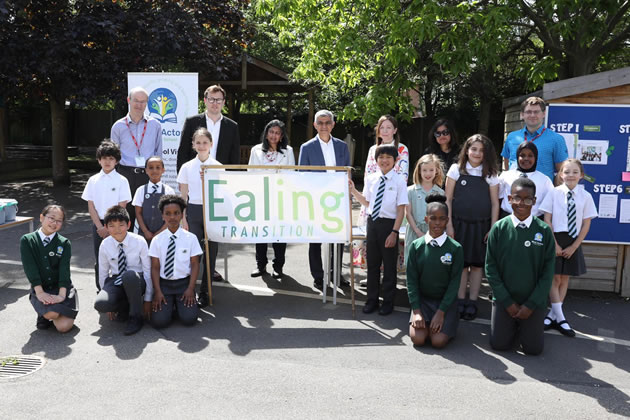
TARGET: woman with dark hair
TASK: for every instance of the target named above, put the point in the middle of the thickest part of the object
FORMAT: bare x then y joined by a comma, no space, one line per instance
443,142
273,150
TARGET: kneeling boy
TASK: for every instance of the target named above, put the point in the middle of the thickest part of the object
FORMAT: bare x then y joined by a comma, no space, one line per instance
174,266
520,264
124,272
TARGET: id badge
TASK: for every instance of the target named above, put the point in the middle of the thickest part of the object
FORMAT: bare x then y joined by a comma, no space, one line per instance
140,160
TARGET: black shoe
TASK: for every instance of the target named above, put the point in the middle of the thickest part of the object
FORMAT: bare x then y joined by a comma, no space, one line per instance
134,325
258,272
203,300
122,316
552,324
386,309
566,332
43,323
276,274
370,307
318,284
471,311
217,277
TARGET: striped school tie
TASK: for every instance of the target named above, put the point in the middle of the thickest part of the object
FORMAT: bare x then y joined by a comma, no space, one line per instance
523,175
122,265
170,258
46,241
379,198
571,215
154,189
433,243
522,226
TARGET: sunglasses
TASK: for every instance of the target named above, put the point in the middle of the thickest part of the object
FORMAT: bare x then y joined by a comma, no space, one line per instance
441,133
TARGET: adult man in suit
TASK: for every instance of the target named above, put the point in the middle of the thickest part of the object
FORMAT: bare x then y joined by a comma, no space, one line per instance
226,145
322,150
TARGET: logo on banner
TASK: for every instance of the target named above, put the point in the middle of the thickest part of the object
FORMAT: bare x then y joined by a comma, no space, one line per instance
162,105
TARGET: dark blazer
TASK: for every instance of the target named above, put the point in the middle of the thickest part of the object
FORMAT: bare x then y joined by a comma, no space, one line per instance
311,153
228,150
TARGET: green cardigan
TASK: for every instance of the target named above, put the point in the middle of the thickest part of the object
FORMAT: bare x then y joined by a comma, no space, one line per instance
48,266
520,263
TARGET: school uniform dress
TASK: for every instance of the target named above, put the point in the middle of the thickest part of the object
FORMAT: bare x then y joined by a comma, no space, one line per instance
124,276
259,157
379,226
507,178
175,281
189,174
48,266
471,211
105,191
556,203
148,196
434,269
416,195
519,267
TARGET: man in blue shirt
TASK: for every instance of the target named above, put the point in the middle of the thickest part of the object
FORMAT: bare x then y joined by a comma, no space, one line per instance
552,150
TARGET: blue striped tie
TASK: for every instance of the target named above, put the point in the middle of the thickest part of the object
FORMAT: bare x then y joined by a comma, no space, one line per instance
170,258
378,201
155,188
122,265
46,241
571,215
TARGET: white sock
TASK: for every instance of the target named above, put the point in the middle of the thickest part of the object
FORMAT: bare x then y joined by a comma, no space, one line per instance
557,309
550,316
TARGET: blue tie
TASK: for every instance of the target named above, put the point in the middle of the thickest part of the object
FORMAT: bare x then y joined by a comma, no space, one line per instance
571,215
378,201
122,265
170,258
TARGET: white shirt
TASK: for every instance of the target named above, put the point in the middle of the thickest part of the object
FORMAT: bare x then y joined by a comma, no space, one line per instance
137,254
189,174
186,247
543,187
43,236
440,239
328,150
454,174
106,190
395,193
527,221
215,130
259,157
138,197
555,203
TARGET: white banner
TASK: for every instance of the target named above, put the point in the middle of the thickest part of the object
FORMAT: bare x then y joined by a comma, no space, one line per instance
172,98
293,207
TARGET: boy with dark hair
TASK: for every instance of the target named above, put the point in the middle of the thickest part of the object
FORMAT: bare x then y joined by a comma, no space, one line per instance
174,267
520,264
104,190
124,272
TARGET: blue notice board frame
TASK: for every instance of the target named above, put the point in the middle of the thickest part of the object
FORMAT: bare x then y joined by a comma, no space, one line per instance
603,145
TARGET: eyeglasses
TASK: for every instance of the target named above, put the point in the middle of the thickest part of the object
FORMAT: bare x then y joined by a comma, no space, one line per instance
532,112
320,123
53,220
518,200
214,100
441,133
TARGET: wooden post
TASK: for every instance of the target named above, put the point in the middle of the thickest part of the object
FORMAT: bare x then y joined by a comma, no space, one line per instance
289,115
205,237
354,310
311,114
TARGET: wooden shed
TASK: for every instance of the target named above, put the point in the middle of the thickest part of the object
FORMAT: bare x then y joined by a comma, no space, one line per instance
608,265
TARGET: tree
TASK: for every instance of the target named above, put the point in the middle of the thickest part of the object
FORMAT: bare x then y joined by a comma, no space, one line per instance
81,50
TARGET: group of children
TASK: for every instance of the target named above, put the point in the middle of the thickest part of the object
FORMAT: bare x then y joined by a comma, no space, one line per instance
452,235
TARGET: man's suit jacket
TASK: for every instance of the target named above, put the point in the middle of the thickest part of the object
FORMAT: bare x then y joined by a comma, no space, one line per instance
228,150
311,153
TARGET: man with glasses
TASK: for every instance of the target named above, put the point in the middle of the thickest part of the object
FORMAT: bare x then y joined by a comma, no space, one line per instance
552,150
139,137
226,148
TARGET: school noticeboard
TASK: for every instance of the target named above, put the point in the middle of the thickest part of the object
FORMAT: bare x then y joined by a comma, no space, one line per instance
599,135
291,207
172,98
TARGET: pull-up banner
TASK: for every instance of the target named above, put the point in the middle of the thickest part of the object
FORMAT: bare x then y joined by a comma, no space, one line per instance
292,207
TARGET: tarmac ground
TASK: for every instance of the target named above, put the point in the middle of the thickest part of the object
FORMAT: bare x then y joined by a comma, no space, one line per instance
273,349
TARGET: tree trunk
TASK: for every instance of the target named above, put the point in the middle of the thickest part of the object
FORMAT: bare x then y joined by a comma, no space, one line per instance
60,168
4,130
484,115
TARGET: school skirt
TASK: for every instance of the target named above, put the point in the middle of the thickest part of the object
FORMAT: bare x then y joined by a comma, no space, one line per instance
574,266
428,308
69,307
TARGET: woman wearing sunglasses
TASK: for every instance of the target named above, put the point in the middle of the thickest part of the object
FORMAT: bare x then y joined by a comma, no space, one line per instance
443,142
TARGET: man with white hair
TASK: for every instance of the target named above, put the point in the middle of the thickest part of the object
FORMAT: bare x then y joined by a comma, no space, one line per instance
139,137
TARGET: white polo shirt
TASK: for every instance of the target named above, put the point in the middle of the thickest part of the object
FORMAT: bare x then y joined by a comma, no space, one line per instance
189,174
186,246
106,190
555,203
395,193
137,255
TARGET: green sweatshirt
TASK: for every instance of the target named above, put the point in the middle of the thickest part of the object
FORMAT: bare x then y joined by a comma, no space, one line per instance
48,266
434,272
520,263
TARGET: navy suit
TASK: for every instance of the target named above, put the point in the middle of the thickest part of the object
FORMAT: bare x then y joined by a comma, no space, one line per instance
311,155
